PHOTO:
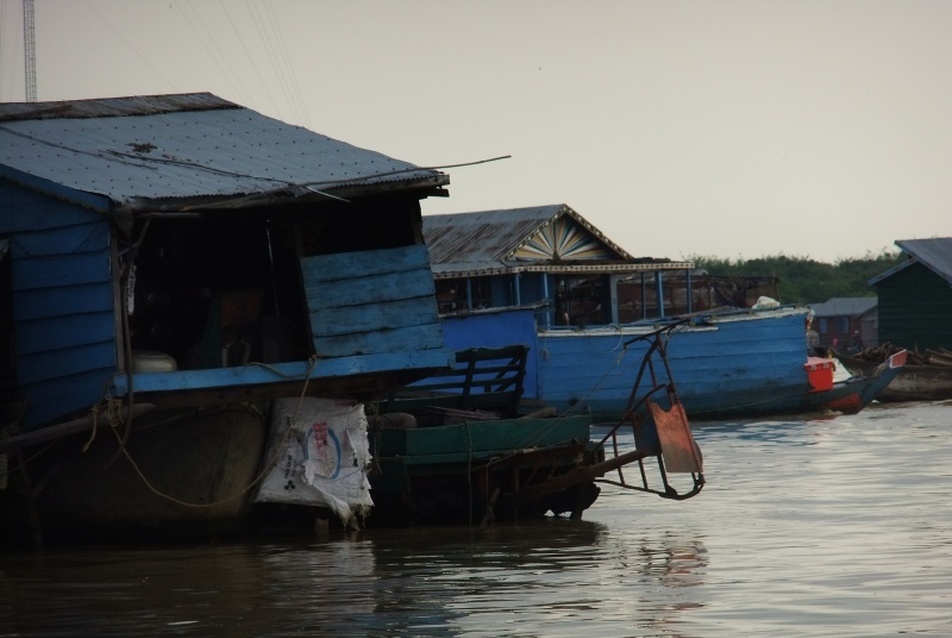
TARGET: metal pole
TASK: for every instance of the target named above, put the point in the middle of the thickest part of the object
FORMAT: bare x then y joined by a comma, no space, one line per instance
29,50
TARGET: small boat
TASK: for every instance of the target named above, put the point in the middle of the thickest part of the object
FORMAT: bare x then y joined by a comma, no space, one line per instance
926,376
456,449
848,396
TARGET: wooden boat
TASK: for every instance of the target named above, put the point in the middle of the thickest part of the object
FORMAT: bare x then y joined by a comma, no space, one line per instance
729,364
926,377
546,277
172,268
455,449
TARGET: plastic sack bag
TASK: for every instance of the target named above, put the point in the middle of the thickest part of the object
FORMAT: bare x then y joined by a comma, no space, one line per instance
319,453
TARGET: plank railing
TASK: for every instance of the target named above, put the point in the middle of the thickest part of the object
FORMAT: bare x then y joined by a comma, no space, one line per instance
485,379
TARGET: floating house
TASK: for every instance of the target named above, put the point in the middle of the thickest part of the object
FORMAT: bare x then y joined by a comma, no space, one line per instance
169,266
915,313
205,313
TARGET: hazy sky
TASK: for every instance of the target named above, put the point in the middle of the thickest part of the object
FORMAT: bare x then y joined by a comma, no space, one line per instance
724,128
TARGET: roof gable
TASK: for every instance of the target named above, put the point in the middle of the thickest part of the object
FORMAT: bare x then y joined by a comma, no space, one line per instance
566,237
935,254
541,233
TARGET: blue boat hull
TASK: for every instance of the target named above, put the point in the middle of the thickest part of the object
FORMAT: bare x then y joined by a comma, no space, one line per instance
739,364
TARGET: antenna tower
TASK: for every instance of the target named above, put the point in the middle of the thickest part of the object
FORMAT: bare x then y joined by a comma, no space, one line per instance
29,50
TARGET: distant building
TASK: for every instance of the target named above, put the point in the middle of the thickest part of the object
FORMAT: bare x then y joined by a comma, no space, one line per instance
915,297
847,322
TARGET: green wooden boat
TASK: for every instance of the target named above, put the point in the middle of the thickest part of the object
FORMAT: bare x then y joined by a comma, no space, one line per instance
443,455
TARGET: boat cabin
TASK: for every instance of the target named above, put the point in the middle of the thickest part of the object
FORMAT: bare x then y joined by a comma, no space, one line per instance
552,256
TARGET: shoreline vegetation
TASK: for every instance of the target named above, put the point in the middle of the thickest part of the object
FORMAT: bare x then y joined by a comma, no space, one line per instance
803,280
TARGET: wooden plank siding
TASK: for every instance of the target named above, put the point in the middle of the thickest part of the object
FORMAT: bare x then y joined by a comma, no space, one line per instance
592,368
24,210
915,309
369,312
372,302
63,313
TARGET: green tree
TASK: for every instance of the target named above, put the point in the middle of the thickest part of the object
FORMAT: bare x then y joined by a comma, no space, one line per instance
802,280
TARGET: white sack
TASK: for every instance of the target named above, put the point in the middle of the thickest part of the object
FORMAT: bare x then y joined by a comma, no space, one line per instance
320,455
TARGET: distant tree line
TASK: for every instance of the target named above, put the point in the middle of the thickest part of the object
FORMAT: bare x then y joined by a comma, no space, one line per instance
802,280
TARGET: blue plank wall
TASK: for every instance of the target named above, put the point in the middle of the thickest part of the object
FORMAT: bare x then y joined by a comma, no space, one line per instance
371,313
376,302
64,323
490,329
733,364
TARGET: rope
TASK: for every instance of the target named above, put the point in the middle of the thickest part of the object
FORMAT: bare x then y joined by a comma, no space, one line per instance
257,479
21,462
112,408
469,469
608,372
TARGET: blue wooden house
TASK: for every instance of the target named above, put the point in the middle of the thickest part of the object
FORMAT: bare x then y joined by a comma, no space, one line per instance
174,254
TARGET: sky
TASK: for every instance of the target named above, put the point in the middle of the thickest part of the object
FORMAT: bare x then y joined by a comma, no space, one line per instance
733,129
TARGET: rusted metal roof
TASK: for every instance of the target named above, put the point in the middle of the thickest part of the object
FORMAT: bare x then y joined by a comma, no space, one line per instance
552,238
190,150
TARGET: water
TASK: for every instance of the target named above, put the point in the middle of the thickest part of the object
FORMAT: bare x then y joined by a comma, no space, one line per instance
837,527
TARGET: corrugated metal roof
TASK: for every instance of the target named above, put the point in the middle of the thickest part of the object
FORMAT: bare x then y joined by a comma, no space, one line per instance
112,106
844,306
483,237
935,254
139,151
486,242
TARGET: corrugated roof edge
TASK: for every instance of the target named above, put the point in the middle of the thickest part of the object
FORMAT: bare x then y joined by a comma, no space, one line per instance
113,107
443,271
935,253
918,252
150,105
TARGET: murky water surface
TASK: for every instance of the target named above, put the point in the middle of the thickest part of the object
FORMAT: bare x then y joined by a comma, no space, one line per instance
839,527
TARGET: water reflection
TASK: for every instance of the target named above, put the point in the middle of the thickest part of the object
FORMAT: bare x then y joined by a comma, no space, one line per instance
806,528
677,561
548,578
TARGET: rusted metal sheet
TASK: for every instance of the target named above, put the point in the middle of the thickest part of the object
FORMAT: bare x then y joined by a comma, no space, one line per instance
552,238
680,452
